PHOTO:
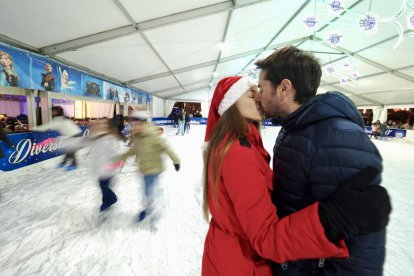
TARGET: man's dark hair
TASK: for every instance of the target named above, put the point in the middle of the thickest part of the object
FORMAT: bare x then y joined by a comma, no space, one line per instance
300,67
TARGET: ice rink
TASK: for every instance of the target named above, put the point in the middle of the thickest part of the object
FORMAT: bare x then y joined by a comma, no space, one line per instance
50,223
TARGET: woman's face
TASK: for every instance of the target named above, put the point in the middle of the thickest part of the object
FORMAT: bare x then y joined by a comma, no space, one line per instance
5,61
248,108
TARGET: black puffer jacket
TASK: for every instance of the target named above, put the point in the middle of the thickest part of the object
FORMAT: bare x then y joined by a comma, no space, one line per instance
320,145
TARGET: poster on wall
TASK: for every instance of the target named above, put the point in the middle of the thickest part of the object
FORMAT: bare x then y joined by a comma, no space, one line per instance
14,67
20,68
146,98
44,74
127,95
134,97
91,87
69,81
112,91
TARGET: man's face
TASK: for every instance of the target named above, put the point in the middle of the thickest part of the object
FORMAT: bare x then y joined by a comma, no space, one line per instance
48,68
269,99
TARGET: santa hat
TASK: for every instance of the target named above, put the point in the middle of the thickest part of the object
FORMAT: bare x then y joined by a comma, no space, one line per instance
228,91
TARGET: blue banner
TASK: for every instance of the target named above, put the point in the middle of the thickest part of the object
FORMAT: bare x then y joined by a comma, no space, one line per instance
31,147
390,132
162,121
92,87
14,67
20,68
113,92
69,81
44,74
195,121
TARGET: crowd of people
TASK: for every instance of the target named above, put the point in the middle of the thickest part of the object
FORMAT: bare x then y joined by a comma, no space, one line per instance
14,124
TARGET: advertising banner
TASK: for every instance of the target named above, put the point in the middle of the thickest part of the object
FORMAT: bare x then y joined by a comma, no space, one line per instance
69,81
44,74
162,121
92,87
20,68
391,132
112,92
31,147
14,67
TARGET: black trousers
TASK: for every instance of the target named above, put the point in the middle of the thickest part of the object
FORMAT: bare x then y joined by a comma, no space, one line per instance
108,196
70,157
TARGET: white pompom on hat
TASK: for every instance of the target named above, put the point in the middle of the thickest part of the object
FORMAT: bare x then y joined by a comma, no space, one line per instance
140,115
227,92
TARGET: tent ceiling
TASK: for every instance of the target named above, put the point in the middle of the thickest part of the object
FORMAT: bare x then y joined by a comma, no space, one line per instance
171,48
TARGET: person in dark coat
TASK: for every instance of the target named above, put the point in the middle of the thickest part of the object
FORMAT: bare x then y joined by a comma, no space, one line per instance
245,232
321,143
5,139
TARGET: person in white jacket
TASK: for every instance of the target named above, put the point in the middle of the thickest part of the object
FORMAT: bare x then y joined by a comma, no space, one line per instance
104,150
65,127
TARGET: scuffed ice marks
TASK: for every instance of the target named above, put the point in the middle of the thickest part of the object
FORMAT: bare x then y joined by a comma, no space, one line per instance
50,224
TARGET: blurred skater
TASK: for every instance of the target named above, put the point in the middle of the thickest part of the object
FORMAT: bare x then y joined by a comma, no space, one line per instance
65,127
149,147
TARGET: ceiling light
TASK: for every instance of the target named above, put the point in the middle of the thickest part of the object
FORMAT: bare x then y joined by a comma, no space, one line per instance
224,46
310,22
369,23
336,6
334,38
410,21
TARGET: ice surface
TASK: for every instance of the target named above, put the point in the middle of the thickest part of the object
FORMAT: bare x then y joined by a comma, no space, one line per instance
50,224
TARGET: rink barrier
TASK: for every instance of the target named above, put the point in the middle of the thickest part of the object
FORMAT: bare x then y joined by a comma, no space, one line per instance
31,147
162,121
390,132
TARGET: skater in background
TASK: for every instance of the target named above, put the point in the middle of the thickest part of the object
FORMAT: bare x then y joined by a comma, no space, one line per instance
148,148
126,132
181,121
245,233
119,122
187,119
66,128
104,139
5,139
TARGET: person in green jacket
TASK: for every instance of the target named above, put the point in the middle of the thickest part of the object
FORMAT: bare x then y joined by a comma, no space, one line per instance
148,147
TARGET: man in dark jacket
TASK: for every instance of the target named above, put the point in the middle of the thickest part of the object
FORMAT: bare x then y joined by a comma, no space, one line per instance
322,142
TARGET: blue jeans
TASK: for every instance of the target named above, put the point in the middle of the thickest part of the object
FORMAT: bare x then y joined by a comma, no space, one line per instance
180,129
150,181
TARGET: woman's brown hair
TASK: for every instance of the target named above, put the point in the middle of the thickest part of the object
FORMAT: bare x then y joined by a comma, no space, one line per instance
230,128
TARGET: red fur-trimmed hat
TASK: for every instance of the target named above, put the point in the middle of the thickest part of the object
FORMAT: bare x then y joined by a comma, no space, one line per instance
227,92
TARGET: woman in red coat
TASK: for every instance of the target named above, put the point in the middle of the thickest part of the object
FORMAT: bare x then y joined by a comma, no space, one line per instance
245,233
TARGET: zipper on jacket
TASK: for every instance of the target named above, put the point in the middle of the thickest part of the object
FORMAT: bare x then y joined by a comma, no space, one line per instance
321,263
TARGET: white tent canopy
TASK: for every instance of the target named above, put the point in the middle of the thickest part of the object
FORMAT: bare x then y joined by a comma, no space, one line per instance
177,50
